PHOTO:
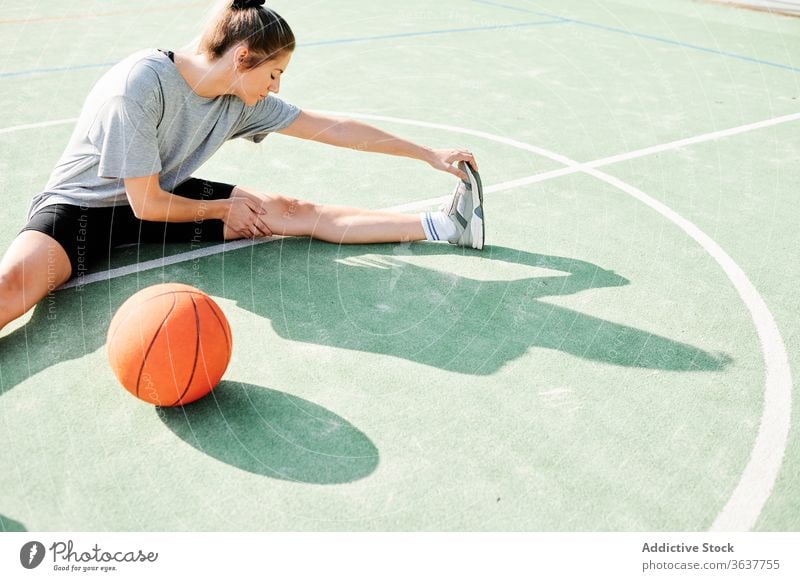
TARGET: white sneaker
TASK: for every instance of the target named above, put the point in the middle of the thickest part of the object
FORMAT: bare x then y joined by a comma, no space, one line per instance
466,210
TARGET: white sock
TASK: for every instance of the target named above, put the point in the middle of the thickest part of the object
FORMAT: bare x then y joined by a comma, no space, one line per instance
437,226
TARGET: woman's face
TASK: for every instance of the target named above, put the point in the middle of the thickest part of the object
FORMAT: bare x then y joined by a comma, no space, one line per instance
255,84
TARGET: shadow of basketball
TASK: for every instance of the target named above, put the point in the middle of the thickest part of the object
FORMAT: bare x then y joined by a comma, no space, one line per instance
274,434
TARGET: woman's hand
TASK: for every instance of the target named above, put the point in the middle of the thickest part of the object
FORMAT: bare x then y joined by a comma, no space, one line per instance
245,217
444,160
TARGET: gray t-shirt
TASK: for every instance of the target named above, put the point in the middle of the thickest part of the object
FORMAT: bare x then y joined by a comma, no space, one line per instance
142,118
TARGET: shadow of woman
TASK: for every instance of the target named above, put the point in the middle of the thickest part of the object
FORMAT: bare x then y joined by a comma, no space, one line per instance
388,299
60,329
274,434
400,300
8,525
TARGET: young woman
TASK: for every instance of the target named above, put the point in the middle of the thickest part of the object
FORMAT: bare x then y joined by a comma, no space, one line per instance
153,119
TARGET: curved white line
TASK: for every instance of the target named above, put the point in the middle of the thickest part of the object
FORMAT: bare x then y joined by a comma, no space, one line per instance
755,485
758,478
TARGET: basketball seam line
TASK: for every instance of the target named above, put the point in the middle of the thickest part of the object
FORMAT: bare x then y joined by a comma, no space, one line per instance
196,352
139,304
152,342
225,329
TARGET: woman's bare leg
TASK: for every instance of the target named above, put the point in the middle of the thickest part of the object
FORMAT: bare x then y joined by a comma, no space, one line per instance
337,224
33,266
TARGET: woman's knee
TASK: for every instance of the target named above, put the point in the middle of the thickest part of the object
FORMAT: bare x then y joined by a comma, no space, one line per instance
34,265
11,284
295,210
12,295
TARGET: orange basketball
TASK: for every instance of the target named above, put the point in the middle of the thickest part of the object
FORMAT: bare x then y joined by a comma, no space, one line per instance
169,344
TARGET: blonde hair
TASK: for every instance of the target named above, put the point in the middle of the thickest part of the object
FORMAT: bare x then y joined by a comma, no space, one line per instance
263,30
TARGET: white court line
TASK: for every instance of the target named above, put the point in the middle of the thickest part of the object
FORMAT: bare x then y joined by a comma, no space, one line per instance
713,136
672,145
36,125
146,265
758,478
756,482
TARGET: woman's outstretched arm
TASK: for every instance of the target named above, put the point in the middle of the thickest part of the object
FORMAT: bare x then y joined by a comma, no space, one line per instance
362,137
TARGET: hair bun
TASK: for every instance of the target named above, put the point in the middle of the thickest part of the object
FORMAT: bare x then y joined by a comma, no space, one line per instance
245,4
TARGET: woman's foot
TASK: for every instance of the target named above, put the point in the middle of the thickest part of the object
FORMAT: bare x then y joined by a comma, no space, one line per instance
466,211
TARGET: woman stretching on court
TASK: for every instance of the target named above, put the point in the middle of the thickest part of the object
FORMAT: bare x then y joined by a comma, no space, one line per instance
153,119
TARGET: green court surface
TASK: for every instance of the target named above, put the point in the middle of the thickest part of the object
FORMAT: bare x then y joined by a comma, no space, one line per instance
618,358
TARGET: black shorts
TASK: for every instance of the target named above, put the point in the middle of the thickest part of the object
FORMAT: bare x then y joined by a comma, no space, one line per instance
89,234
